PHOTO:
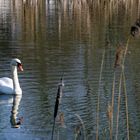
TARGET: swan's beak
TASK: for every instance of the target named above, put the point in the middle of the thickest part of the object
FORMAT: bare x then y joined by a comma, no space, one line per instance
20,67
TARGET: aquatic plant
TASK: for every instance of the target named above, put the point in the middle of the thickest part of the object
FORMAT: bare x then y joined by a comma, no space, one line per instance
57,102
122,79
119,56
98,100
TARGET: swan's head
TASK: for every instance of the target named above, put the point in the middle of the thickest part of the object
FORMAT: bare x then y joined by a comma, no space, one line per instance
17,63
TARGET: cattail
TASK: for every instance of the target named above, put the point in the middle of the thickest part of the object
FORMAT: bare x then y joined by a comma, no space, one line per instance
57,102
119,56
59,97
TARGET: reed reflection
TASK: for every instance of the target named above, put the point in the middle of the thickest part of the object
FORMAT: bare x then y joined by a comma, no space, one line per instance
44,20
14,120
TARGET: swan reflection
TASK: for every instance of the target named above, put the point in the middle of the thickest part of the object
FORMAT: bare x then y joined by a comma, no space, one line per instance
15,121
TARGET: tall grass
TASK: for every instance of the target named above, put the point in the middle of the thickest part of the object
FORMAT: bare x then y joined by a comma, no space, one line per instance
111,4
98,100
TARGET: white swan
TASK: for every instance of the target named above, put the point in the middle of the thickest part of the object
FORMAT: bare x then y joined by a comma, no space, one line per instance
8,85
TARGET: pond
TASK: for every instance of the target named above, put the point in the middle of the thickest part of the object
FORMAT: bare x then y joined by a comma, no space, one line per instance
78,41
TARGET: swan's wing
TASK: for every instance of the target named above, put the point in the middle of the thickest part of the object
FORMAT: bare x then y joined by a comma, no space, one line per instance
6,85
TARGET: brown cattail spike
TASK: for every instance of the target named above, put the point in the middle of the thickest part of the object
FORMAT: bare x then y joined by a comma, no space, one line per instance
119,56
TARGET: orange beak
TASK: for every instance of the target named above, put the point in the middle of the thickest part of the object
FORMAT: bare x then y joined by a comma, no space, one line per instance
20,67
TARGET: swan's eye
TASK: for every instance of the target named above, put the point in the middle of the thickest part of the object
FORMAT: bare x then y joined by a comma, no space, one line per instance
19,65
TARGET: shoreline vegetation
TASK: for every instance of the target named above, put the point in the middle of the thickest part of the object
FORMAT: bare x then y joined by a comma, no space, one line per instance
129,6
83,12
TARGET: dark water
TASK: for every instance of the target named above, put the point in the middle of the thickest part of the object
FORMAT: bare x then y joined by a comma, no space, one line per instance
52,39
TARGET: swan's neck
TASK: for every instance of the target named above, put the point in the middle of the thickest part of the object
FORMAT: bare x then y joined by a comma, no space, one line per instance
16,86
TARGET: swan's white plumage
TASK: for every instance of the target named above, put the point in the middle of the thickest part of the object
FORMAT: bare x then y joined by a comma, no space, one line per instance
8,85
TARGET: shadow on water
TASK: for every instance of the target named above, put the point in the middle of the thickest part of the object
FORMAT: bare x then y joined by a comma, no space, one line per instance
6,99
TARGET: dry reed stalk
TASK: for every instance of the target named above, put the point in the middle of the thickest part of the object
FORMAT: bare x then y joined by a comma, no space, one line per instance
120,82
109,115
112,105
98,100
126,105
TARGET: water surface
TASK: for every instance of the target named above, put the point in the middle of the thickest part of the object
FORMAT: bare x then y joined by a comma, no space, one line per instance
56,38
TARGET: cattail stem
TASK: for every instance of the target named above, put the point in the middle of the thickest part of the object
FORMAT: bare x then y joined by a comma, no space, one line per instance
57,102
53,129
127,121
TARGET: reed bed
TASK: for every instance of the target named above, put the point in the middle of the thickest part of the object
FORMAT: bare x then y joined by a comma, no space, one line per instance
111,4
119,61
84,13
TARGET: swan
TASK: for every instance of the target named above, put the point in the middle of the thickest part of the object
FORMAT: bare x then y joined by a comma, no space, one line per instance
12,86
